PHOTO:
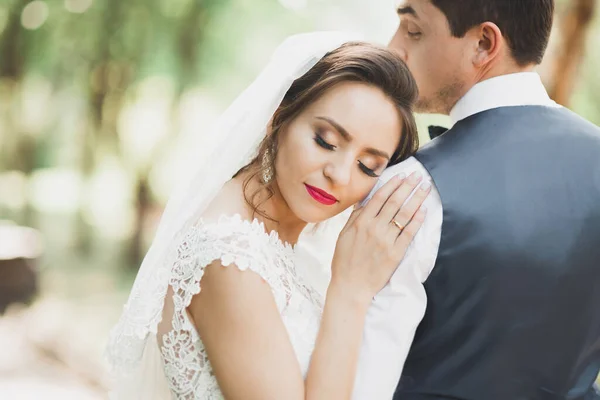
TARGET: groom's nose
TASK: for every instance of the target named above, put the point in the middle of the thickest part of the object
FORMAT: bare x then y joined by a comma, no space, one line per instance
396,46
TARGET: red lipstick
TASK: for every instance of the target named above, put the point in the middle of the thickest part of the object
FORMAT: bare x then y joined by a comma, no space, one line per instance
320,195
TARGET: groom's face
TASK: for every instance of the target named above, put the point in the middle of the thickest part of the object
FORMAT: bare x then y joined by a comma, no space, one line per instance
438,60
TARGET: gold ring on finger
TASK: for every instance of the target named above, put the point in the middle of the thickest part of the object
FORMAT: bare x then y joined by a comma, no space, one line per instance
398,225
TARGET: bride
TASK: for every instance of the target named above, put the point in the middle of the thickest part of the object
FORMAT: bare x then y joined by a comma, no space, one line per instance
219,308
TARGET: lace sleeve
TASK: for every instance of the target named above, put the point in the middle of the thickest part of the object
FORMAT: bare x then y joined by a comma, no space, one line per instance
233,242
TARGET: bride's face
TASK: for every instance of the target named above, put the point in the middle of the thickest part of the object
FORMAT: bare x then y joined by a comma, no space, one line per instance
330,156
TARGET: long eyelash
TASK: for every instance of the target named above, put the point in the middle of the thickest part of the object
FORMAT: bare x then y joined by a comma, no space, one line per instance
321,142
367,170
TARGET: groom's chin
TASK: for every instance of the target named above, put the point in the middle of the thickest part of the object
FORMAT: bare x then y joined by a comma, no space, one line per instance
432,106
425,106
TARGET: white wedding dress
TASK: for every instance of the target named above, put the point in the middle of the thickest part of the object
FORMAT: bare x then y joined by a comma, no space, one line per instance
242,244
154,351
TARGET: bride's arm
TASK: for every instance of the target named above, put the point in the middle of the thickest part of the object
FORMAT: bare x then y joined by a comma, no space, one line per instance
244,335
334,360
248,346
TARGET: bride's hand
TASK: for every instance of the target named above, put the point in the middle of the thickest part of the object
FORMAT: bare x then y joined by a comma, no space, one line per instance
373,243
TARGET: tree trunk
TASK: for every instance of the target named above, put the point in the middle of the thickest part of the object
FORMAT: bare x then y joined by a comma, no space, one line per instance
11,43
98,128
20,149
143,204
574,27
20,251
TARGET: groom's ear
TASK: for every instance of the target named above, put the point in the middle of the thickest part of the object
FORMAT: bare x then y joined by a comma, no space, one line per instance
490,43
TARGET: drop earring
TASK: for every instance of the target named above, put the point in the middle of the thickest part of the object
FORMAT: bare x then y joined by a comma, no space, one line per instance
267,167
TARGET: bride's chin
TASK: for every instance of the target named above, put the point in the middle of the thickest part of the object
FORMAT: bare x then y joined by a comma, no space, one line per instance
312,215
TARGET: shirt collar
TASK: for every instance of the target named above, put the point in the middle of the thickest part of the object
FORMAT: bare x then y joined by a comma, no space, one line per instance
519,89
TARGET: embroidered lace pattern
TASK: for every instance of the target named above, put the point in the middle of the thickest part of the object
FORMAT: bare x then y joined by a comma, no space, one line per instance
245,245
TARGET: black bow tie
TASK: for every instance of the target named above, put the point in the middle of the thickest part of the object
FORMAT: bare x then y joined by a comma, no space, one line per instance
435,131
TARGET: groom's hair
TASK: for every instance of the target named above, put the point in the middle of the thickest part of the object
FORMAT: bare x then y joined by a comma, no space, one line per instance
525,24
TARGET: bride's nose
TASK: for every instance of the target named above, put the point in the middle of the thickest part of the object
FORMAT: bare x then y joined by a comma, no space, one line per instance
339,172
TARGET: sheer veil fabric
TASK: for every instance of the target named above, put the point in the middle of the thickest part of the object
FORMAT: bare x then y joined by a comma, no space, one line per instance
132,350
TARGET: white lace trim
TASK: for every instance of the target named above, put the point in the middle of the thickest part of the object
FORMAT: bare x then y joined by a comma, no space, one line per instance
246,245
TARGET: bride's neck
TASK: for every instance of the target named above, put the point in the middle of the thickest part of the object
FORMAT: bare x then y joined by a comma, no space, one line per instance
286,223
281,218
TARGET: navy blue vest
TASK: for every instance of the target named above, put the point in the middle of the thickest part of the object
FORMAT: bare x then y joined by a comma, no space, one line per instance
514,298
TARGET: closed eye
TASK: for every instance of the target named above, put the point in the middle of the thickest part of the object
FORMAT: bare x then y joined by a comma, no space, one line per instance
410,29
322,143
414,35
368,171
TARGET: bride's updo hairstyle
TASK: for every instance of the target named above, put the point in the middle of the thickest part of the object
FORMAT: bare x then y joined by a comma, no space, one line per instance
352,62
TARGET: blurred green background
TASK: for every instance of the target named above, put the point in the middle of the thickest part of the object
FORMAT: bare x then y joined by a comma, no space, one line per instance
103,109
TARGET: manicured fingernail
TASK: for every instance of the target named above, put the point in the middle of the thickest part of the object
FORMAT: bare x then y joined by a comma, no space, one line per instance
400,176
415,177
425,186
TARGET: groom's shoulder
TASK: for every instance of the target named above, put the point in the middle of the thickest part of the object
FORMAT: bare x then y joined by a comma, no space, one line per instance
580,124
571,131
405,167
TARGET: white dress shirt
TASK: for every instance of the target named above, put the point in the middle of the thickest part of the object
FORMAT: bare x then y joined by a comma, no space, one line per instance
398,309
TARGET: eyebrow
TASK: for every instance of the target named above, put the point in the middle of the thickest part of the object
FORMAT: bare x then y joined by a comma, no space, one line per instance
407,10
344,133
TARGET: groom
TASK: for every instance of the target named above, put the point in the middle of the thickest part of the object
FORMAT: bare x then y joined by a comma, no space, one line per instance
499,296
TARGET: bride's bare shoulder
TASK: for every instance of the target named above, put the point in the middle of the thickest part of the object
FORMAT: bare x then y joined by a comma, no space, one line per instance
229,201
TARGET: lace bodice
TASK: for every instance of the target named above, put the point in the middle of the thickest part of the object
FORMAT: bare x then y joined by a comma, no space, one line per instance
245,245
